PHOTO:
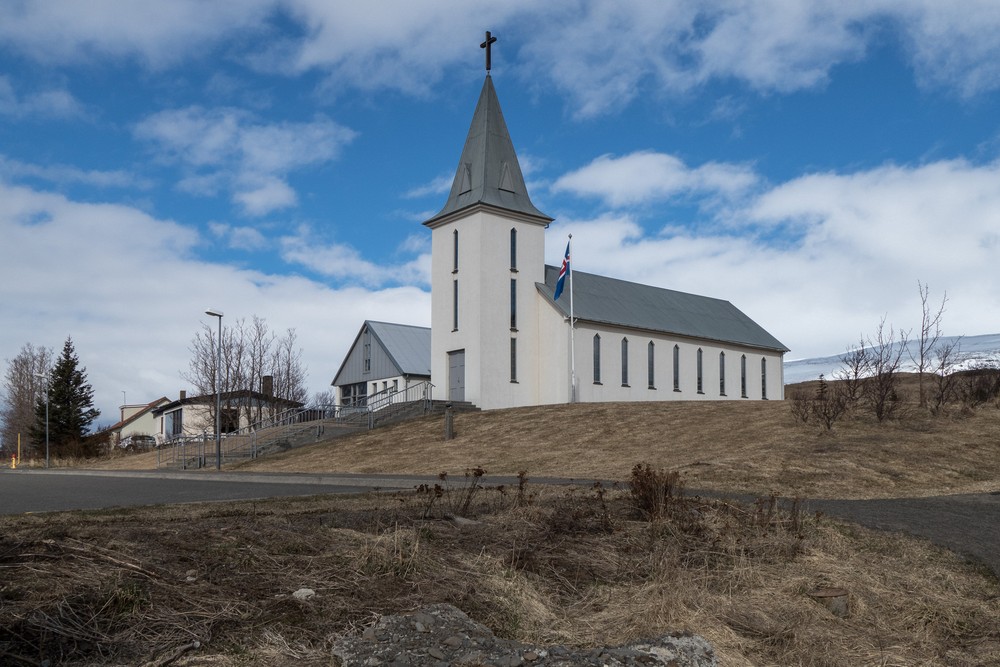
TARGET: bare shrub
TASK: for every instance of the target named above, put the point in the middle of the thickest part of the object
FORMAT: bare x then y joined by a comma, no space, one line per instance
881,388
654,491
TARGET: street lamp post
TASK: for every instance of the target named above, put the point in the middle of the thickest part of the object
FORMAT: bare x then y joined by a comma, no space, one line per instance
45,377
218,392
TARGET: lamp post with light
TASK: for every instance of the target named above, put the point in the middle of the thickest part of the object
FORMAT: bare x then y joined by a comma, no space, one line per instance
218,392
45,377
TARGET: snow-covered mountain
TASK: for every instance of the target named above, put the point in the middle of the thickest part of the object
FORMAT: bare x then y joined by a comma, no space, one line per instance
971,349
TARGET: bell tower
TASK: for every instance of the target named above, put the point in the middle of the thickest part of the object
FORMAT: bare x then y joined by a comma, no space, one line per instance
487,253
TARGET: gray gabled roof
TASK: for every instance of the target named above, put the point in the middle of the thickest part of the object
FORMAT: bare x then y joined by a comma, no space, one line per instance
621,303
408,347
488,172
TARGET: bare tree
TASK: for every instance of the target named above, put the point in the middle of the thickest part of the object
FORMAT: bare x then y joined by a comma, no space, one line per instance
885,352
927,339
946,360
21,389
854,373
250,351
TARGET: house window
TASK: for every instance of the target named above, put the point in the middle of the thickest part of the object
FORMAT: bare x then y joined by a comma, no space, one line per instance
454,307
513,304
366,358
597,358
395,386
677,367
454,266
722,373
374,388
763,378
624,362
513,249
700,369
353,394
743,376
513,360
650,374
173,423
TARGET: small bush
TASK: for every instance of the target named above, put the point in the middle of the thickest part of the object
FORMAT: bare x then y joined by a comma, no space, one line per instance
654,491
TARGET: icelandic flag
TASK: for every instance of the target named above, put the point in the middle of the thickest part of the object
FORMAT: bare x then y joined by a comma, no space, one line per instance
562,273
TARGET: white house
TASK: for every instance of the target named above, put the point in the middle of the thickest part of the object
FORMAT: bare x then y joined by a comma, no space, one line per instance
500,339
384,358
195,415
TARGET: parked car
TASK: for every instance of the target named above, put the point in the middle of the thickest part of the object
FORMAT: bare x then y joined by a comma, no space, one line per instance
137,442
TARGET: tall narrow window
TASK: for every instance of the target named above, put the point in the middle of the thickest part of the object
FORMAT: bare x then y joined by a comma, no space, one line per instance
454,267
513,304
624,362
743,376
722,373
454,308
366,353
763,378
597,358
650,374
513,360
677,367
701,375
513,248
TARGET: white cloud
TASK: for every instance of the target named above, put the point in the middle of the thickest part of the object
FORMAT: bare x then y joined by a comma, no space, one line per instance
45,103
863,241
341,261
65,174
158,33
230,148
647,176
601,55
97,272
440,185
240,238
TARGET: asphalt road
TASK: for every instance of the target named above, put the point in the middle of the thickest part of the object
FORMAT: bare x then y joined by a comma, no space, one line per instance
967,524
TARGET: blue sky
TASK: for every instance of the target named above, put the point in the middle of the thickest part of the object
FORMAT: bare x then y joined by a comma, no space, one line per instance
808,161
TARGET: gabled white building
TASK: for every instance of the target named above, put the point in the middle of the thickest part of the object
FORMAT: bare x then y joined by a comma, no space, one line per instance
500,339
384,357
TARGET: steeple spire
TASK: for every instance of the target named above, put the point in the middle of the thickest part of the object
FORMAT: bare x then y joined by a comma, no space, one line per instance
488,171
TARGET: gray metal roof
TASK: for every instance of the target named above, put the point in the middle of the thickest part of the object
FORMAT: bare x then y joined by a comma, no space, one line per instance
488,171
408,346
618,302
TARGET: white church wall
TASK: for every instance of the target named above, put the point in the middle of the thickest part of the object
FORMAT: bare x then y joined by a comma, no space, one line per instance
484,315
554,370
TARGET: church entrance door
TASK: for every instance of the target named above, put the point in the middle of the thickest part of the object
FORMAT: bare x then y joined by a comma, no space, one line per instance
456,375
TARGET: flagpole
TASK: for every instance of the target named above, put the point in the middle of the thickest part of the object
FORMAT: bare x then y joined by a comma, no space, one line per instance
572,331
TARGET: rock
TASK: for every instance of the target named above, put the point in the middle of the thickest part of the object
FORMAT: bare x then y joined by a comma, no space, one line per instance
303,594
444,633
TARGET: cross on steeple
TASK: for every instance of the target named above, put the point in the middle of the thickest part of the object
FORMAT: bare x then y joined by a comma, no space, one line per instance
486,45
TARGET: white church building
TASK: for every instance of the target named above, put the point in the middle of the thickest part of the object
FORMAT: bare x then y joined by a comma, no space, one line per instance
500,339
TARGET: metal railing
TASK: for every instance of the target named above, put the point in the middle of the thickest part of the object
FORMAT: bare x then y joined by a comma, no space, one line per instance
289,427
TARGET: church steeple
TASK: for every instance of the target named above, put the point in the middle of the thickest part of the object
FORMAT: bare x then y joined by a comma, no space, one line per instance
488,172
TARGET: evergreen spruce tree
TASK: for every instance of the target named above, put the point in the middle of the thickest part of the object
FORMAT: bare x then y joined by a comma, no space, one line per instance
71,404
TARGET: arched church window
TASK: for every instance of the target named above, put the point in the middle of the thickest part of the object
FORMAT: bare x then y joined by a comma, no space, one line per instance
722,373
513,249
743,376
677,367
650,369
700,371
454,235
597,358
624,362
763,378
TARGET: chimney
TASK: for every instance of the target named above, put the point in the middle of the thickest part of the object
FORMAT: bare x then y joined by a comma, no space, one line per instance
267,385
183,394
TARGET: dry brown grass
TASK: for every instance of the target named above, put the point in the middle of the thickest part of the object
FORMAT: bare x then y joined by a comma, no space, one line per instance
578,567
755,447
